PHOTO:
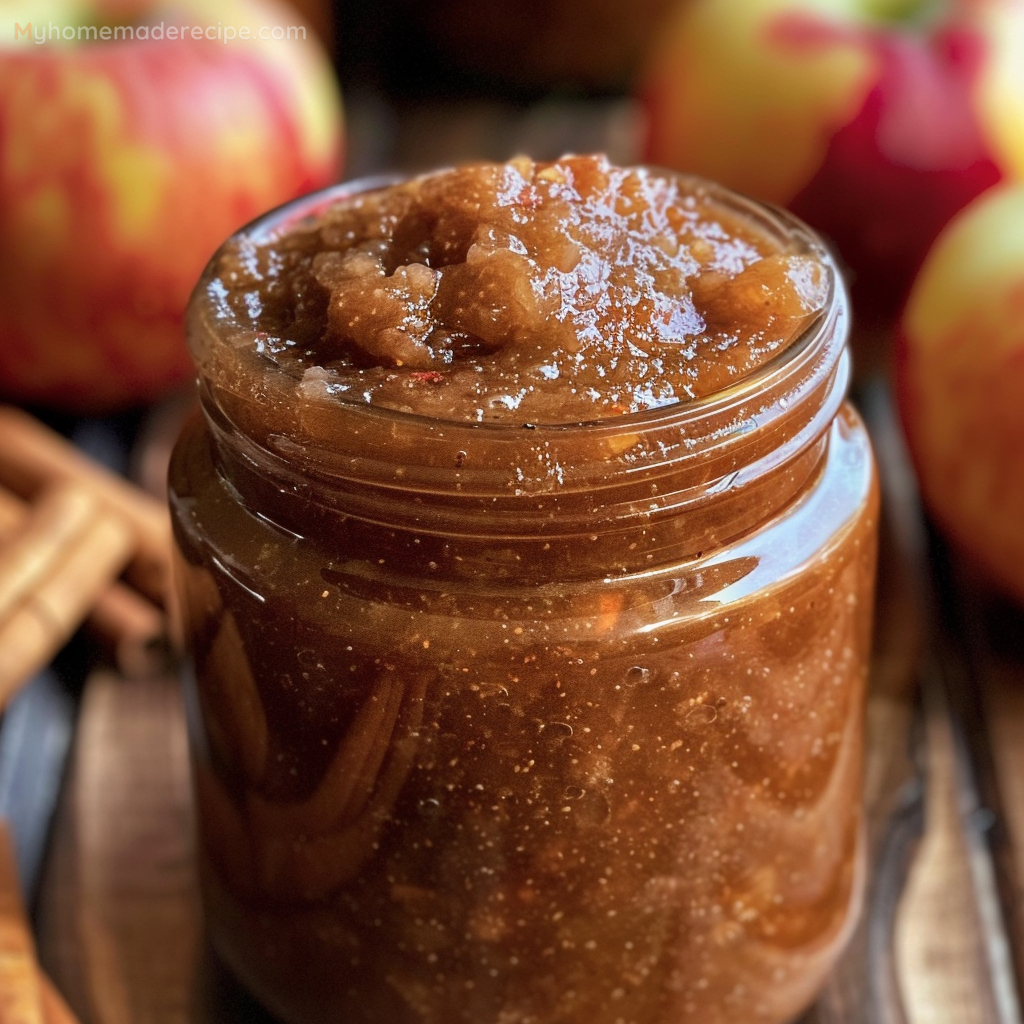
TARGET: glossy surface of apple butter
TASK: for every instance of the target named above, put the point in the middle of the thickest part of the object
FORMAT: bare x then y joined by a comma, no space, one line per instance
525,552
544,293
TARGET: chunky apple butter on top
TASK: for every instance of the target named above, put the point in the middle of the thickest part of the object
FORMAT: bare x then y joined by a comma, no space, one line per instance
546,293
525,552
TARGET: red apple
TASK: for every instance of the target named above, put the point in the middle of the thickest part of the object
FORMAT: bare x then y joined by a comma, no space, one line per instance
126,161
874,129
960,375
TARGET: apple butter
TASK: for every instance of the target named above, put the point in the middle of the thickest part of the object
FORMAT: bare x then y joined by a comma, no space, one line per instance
525,552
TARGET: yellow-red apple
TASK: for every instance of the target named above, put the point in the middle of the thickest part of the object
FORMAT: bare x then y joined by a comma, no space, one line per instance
960,376
875,122
127,157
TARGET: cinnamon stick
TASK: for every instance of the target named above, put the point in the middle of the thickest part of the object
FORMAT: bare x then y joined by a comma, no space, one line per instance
12,513
55,1010
20,995
57,520
33,456
44,618
132,626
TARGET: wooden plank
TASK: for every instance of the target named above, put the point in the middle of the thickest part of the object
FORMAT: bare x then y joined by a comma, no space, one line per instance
991,631
939,942
125,850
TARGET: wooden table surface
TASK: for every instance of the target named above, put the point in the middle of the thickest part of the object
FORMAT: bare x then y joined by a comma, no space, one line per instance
942,938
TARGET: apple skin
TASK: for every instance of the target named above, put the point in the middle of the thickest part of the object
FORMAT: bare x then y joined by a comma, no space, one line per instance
125,165
874,132
960,382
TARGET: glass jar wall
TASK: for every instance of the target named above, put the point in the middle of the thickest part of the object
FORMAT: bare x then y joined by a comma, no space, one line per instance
541,725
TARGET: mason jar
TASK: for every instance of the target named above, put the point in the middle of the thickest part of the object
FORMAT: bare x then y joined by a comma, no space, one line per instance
527,724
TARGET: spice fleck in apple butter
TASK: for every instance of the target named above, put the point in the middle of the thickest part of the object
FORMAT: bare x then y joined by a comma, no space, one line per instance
525,554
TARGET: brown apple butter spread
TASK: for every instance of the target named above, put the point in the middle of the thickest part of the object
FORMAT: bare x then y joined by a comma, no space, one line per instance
557,725
546,293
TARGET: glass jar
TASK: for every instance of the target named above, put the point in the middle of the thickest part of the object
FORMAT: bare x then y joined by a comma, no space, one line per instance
527,724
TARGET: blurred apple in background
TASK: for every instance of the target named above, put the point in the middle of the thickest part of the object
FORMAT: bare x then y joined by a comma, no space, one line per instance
960,381
125,163
874,120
